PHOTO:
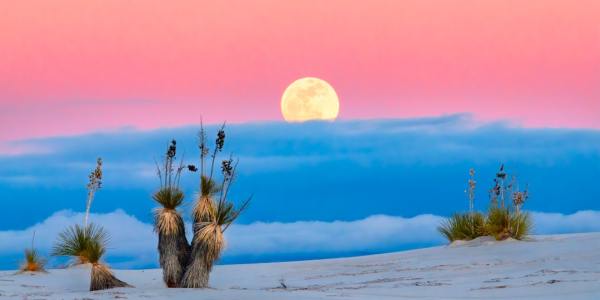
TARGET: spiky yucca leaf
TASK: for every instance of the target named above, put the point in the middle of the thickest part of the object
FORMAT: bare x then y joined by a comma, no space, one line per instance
77,241
466,226
208,186
169,197
33,262
521,225
503,223
95,249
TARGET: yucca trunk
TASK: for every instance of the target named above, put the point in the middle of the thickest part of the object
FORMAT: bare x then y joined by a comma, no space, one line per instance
103,278
206,250
196,274
199,264
173,246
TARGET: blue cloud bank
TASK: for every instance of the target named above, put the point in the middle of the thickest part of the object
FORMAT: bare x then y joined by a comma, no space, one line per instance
321,171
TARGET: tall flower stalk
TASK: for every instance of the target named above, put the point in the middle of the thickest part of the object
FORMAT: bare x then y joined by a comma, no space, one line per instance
471,189
95,183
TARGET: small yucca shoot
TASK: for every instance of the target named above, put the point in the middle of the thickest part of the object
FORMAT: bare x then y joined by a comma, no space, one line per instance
33,261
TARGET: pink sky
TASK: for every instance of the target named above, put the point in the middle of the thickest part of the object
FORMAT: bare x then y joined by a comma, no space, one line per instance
72,66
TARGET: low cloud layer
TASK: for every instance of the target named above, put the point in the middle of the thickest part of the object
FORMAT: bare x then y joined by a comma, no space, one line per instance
133,243
343,170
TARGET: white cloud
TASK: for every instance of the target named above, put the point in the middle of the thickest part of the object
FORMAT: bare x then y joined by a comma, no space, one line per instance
552,223
377,232
134,242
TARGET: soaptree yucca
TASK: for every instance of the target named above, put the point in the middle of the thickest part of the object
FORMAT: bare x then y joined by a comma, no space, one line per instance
503,223
87,243
465,226
173,247
213,213
504,219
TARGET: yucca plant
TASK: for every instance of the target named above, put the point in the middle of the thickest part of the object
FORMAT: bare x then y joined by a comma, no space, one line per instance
87,243
34,262
502,223
507,220
465,226
213,214
173,246
502,220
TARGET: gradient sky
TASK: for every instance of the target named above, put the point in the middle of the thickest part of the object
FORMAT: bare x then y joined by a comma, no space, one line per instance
70,66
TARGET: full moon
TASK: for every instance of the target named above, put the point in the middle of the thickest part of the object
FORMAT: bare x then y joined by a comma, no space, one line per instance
309,98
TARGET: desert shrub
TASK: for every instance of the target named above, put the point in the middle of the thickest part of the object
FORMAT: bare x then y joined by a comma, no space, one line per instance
503,223
464,226
504,219
33,261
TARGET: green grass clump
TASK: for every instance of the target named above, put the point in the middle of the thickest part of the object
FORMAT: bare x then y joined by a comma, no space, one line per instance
465,226
503,223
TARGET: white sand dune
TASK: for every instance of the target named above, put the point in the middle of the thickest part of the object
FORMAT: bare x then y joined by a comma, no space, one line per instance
544,267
